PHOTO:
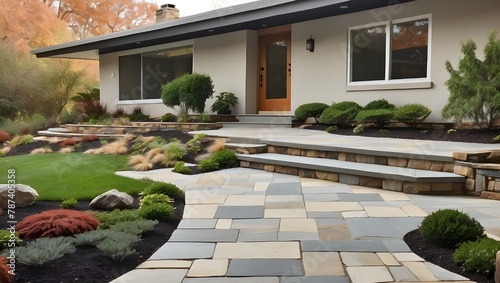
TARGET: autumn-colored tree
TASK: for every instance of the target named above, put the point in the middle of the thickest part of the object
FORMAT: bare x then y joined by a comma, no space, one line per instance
29,24
91,18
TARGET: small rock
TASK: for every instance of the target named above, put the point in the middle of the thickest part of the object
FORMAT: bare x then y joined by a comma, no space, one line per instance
23,196
111,200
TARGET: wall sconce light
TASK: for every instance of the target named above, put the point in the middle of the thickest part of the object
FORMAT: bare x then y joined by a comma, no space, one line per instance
310,44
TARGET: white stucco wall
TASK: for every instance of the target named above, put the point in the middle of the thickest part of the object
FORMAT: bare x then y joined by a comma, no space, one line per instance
229,59
321,76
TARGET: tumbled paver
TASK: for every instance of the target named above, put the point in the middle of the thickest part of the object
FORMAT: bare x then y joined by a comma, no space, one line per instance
184,251
360,259
165,264
369,274
265,267
153,276
258,250
322,264
204,235
208,268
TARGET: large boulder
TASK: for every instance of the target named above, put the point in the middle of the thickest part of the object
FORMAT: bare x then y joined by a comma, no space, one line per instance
23,196
111,200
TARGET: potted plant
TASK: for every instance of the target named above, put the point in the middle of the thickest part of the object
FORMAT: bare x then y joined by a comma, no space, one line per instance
223,102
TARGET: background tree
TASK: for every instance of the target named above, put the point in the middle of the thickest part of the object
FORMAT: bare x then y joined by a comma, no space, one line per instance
475,86
91,18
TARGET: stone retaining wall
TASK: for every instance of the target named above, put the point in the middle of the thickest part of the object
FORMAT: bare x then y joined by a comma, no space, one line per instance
139,127
369,159
482,170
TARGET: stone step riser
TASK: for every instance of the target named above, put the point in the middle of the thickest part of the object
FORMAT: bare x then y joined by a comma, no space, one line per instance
254,125
267,119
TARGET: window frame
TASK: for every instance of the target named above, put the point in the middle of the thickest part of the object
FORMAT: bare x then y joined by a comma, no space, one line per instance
389,83
143,100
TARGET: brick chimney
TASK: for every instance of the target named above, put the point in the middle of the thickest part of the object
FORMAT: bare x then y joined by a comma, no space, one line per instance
167,12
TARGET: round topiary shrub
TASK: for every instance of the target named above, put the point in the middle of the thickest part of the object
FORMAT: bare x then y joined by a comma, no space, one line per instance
379,117
307,110
379,104
412,113
449,227
478,256
56,223
168,189
156,211
340,114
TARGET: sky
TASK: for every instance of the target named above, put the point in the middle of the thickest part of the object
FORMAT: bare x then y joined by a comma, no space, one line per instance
191,7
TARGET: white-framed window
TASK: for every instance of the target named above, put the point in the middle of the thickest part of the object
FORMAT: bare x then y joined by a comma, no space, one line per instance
390,52
142,75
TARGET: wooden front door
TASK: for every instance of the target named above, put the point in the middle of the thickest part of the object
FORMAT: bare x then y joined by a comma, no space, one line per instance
275,72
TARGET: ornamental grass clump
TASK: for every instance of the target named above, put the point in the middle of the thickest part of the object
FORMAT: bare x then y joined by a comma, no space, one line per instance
478,256
56,223
449,227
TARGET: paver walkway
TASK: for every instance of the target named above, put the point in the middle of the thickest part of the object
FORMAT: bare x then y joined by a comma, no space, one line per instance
245,226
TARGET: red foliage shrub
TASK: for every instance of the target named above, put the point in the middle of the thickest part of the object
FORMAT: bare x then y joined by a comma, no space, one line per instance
56,223
4,270
68,141
4,136
90,138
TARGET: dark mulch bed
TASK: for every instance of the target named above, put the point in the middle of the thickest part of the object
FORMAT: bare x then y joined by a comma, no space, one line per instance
461,135
88,264
440,256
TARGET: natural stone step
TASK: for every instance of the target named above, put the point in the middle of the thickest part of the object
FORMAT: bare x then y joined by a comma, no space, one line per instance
371,175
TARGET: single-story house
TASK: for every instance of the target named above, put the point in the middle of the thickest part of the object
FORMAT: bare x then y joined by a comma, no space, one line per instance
278,54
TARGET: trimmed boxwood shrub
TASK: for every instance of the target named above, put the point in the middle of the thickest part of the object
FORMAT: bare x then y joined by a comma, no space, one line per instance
307,110
449,227
478,256
379,117
379,104
341,113
412,113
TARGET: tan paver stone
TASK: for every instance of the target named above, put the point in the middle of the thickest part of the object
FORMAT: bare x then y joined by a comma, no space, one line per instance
420,270
298,225
414,211
407,257
369,274
388,259
152,276
285,205
354,214
384,211
212,180
364,190
360,259
200,211
335,234
393,196
285,198
261,186
245,200
322,264
285,213
224,224
204,197
275,250
332,206
208,268
308,182
165,264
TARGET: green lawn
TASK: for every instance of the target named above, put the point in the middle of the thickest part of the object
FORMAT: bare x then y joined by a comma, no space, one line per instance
62,176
